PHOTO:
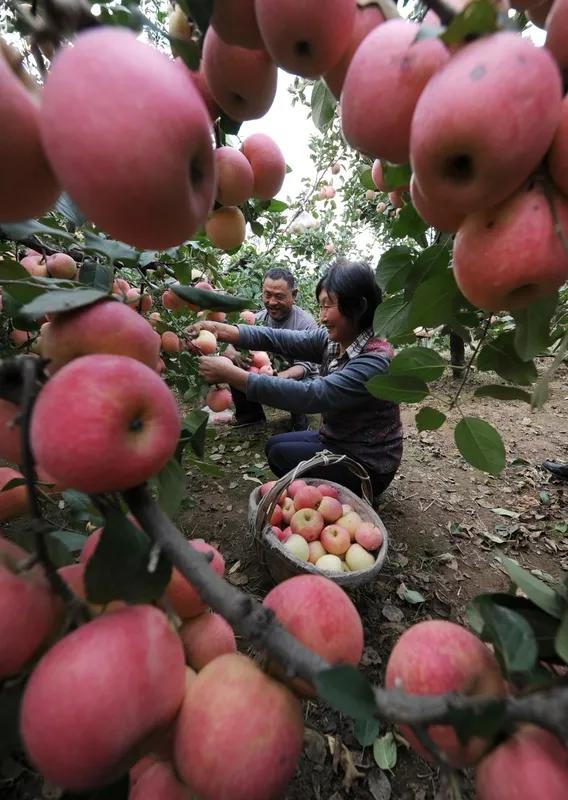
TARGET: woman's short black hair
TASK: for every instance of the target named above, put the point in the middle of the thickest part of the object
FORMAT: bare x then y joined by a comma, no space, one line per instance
353,284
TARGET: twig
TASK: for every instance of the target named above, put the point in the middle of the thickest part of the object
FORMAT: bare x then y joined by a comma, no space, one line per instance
445,12
470,362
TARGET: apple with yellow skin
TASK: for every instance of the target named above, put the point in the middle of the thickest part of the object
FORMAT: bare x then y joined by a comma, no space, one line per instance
358,558
329,563
298,546
226,228
206,342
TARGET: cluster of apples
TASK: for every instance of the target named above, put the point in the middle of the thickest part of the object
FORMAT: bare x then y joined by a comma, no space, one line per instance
313,525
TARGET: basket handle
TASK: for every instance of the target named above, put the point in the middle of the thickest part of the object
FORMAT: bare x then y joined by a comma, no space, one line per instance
324,457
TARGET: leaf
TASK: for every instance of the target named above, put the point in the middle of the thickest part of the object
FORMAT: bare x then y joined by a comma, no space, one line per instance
57,550
480,445
366,731
536,590
434,301
229,126
500,356
98,276
391,317
347,690
276,206
189,52
501,392
73,541
397,388
257,228
395,175
532,327
505,512
409,223
118,569
419,362
561,641
194,430
67,207
478,17
412,596
540,393
394,267
366,180
115,251
323,105
486,722
433,260
510,634
429,419
23,230
62,300
213,301
170,482
384,751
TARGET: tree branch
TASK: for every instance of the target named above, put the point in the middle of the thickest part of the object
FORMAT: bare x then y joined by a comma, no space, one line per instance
471,360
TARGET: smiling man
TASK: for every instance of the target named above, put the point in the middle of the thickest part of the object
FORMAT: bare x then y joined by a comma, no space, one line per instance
280,311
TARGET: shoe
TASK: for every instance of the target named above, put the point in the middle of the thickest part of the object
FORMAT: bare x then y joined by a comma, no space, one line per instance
244,422
558,468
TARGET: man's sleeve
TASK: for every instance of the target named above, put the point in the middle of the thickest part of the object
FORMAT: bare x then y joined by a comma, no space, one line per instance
306,323
343,390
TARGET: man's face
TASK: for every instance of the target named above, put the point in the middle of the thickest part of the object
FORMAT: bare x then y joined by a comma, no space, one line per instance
277,297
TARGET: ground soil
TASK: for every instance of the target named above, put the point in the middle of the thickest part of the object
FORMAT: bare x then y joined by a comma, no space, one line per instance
447,524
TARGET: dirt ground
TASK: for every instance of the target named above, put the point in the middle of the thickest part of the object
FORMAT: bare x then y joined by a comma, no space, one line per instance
447,523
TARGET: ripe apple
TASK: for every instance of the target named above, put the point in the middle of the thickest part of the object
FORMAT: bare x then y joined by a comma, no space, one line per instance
121,417
438,216
61,265
235,23
248,317
104,327
298,546
276,517
206,637
181,593
35,264
377,175
260,359
29,611
268,165
329,563
346,508
13,502
305,39
171,342
172,302
294,486
235,179
558,153
369,536
350,521
90,545
133,663
308,522
158,780
206,342
330,509
108,161
266,487
316,550
74,577
434,657
328,491
335,539
358,558
307,497
219,399
230,706
10,432
556,31
288,510
226,228
531,763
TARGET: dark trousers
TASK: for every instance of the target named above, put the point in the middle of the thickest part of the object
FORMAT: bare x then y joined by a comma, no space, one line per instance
245,409
286,450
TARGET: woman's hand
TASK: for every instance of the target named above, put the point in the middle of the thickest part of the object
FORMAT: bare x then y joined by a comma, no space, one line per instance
216,369
223,332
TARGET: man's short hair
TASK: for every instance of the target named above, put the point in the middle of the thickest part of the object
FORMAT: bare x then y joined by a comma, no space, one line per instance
278,273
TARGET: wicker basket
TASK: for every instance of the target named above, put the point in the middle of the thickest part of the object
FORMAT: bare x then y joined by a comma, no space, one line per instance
282,564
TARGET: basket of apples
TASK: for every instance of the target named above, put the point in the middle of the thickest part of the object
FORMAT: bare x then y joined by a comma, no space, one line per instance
301,524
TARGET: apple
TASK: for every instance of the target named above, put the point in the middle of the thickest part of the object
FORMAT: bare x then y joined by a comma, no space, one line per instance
172,302
171,342
29,611
308,522
307,497
268,165
288,510
239,733
36,265
330,509
298,546
328,491
235,22
279,533
350,521
13,502
206,342
266,370
226,228
276,517
346,508
369,536
206,637
219,399
61,265
556,30
558,154
181,593
438,216
329,563
10,432
104,327
266,487
74,577
335,539
260,359
316,550
150,197
434,657
294,486
235,179
133,663
90,545
358,558
248,317
158,780
120,416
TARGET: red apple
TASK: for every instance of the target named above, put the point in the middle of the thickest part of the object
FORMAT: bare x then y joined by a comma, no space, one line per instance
316,550
181,593
235,179
206,637
13,502
335,539
268,165
260,359
330,509
206,342
350,521
276,517
294,486
286,533
308,523
219,399
369,536
328,491
307,497
288,510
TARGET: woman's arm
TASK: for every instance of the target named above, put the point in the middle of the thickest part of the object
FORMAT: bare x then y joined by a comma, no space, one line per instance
308,345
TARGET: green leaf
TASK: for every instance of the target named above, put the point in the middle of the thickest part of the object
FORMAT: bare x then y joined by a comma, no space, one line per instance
257,228
395,175
230,126
366,180
429,419
510,634
561,641
171,487
347,690
536,590
59,553
62,300
384,751
366,731
67,207
276,206
478,17
409,223
412,596
397,388
391,317
434,301
194,430
394,267
115,251
501,392
480,445
213,301
432,261
72,540
189,52
532,327
500,356
99,276
419,362
487,722
118,569
23,230
323,106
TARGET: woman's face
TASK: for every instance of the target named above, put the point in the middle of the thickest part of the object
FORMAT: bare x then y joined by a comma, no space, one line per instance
339,328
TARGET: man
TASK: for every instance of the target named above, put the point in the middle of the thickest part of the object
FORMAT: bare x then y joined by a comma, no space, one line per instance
280,311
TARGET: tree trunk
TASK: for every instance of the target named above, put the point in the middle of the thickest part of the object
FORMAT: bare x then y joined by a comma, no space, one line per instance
457,353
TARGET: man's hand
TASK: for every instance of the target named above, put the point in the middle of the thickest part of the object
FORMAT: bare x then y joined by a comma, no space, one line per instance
238,358
216,369
294,373
223,332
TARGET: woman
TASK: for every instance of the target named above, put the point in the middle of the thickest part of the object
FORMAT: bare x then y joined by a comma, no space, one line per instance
353,421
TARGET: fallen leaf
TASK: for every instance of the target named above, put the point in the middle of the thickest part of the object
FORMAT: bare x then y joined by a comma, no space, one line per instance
379,785
505,512
238,579
314,746
392,613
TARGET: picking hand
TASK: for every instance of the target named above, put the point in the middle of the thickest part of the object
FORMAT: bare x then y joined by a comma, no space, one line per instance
215,369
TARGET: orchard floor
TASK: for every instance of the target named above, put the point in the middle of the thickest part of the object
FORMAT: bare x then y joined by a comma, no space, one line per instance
447,524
